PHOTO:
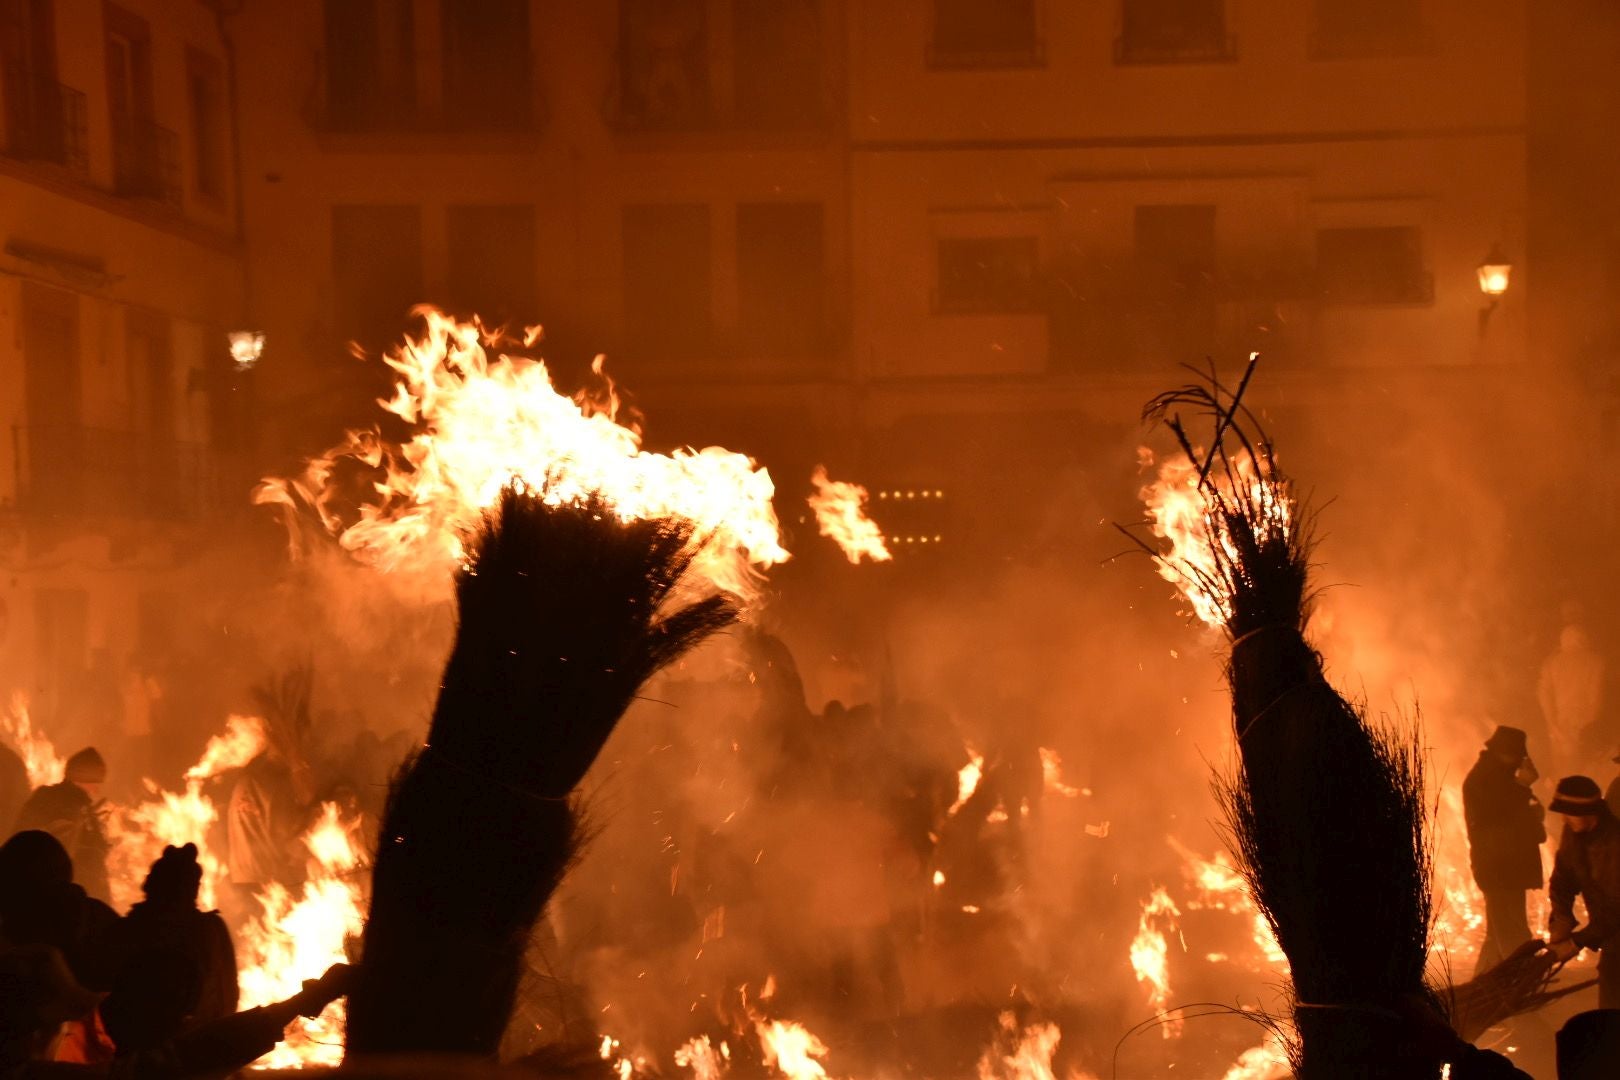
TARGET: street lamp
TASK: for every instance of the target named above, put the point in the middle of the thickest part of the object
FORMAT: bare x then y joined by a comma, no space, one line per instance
246,347
1494,273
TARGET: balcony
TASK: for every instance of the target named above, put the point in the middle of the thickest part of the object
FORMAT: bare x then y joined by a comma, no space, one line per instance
1128,316
146,161
1160,48
471,103
80,472
45,121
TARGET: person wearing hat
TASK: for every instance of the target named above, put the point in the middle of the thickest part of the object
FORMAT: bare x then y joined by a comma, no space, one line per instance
71,811
1505,834
1612,796
1588,866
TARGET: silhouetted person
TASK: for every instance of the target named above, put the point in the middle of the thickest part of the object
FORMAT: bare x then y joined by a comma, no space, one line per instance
1589,1046
1571,695
262,823
1505,834
1587,865
176,967
41,905
71,812
14,788
38,994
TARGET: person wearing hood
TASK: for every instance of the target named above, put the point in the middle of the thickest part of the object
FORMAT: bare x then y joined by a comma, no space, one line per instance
71,811
1505,834
1588,866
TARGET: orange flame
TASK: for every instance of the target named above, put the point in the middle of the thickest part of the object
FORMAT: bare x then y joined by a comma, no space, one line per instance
38,755
791,1049
967,780
1180,511
841,515
699,1055
1220,887
482,421
238,744
1150,951
140,833
1264,1062
298,938
1021,1055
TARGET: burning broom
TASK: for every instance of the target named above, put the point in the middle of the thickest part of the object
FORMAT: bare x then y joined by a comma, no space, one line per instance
565,611
1326,810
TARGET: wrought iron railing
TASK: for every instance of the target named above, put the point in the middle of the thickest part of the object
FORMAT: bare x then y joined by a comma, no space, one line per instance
45,121
82,472
146,160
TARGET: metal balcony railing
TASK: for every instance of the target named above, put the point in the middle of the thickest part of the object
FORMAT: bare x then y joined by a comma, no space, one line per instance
146,160
81,472
1141,47
45,121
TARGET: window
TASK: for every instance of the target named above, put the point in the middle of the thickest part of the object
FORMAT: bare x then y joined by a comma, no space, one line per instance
1345,28
1178,242
776,49
487,77
663,64
667,303
492,263
205,100
1382,265
376,271
145,157
148,478
370,64
984,33
61,638
52,388
1157,31
989,274
780,296
44,120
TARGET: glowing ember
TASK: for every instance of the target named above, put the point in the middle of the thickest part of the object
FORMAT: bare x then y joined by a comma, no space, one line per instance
1150,951
1181,512
295,939
841,515
481,420
240,743
791,1049
39,757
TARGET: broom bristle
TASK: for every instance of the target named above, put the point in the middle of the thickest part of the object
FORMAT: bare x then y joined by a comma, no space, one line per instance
564,612
1326,811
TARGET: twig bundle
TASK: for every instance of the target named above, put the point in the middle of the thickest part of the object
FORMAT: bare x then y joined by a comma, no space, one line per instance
1326,810
564,612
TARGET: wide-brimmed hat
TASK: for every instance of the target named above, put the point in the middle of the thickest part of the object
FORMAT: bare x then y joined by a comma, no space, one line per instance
1509,740
1578,796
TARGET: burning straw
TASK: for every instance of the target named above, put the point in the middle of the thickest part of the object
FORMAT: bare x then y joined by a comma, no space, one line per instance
565,610
1326,810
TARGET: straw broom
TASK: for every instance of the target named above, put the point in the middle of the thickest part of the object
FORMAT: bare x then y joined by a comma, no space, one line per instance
564,612
1326,811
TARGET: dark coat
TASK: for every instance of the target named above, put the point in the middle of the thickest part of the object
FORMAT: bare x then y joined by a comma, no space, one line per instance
66,811
1505,830
198,940
1588,865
